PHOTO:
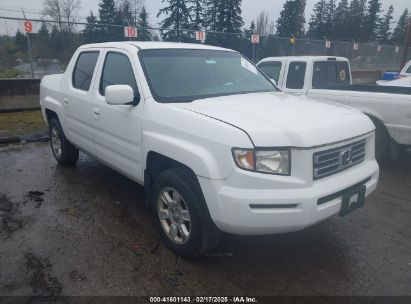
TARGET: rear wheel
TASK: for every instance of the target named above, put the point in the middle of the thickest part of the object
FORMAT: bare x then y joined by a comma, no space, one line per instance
64,152
181,214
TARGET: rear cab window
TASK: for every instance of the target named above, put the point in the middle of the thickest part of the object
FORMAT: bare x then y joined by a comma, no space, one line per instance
408,71
84,70
272,69
296,75
331,74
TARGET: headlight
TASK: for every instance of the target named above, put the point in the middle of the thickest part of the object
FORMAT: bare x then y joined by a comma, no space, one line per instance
263,160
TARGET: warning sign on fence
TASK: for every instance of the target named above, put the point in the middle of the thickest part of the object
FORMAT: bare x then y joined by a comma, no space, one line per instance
130,32
328,44
28,26
355,47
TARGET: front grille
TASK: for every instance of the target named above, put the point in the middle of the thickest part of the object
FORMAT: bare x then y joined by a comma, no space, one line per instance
335,160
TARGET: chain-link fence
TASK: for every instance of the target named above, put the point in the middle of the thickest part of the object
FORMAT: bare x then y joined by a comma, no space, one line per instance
49,49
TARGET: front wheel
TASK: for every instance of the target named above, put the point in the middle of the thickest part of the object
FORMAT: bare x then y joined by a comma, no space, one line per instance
64,152
181,214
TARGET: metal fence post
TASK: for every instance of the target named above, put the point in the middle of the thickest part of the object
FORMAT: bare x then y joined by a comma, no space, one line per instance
29,48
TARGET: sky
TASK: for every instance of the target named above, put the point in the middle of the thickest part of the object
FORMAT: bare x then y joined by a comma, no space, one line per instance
251,9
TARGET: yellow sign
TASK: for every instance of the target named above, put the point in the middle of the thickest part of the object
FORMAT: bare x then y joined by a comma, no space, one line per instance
343,75
292,40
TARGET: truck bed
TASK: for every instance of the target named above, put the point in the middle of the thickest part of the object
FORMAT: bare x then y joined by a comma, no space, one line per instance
373,89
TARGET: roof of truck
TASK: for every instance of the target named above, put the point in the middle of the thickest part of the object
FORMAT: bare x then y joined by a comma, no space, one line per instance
146,45
307,58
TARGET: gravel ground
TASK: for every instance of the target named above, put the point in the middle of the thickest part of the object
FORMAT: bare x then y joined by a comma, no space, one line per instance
85,231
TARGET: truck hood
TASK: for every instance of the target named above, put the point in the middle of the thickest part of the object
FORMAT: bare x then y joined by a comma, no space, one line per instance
276,119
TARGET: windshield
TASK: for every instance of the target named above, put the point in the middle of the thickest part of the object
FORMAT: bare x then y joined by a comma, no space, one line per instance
180,75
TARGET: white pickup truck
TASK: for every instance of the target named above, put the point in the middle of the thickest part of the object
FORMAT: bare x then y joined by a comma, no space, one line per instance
329,78
217,147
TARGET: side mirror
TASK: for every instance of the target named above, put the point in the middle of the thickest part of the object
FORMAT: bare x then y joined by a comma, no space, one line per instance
273,81
119,95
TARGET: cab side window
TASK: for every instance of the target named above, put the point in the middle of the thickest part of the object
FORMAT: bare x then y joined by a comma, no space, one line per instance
271,69
331,74
296,75
84,70
117,70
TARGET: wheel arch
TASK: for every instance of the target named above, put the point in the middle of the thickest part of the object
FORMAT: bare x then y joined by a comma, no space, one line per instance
50,114
156,163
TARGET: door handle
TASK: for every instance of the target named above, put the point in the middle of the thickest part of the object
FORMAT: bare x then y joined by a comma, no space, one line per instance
96,112
66,101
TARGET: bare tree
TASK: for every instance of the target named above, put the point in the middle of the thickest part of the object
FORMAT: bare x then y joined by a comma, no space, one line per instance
63,12
70,8
271,28
135,8
262,27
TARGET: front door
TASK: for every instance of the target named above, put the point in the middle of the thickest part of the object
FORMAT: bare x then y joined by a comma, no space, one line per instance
117,128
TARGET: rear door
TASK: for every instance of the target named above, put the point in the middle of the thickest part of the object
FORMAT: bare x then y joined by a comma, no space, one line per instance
295,77
117,128
77,95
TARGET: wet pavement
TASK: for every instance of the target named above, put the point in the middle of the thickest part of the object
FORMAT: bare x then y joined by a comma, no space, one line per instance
85,231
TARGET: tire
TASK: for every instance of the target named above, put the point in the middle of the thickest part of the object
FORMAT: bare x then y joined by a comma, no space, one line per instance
195,237
64,152
382,141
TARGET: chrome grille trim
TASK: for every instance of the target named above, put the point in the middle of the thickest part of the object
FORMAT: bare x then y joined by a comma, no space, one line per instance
331,161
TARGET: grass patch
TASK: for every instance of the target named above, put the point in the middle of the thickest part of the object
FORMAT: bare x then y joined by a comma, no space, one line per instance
21,123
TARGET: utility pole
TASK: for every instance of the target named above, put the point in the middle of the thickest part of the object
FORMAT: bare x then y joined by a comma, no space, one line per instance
29,48
407,45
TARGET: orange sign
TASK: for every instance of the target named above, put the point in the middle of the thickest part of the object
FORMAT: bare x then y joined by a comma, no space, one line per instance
28,26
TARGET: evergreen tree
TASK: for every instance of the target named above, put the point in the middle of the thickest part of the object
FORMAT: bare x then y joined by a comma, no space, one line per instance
317,25
384,27
178,17
355,20
247,49
143,31
340,22
400,30
227,20
21,42
292,20
43,41
372,19
198,12
91,31
210,14
56,42
330,10
229,16
124,14
107,16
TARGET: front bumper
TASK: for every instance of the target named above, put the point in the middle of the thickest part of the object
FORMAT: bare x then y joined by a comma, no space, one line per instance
250,203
